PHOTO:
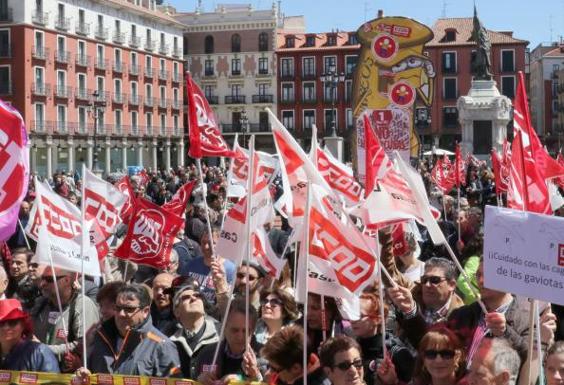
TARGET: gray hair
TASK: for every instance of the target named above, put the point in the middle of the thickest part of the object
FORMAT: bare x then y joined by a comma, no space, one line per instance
445,264
505,357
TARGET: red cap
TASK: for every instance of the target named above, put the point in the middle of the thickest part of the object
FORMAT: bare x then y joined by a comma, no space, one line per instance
11,309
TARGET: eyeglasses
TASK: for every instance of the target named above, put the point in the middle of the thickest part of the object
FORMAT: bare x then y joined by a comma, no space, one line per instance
346,365
432,279
50,278
129,310
243,275
445,354
271,302
10,323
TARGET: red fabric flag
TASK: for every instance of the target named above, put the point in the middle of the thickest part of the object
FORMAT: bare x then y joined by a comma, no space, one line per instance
440,174
177,205
124,185
150,235
205,135
459,168
377,162
527,187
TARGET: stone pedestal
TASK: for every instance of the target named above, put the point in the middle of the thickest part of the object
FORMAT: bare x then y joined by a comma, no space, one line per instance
483,109
335,145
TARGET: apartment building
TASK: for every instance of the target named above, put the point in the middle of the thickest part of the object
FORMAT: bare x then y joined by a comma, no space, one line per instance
231,55
96,82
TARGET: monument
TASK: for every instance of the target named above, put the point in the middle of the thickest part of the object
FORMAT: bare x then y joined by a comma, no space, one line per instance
483,113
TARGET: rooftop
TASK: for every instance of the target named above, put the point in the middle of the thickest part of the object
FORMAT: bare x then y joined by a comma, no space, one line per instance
318,41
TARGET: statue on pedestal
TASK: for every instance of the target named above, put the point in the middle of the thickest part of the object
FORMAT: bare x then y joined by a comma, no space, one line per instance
481,62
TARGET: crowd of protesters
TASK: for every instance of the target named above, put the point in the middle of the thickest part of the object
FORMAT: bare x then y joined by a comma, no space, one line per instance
149,322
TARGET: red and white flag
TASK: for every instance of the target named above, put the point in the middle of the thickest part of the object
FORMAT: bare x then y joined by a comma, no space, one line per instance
124,185
150,235
177,205
14,168
440,175
263,254
377,162
527,188
205,135
55,225
459,169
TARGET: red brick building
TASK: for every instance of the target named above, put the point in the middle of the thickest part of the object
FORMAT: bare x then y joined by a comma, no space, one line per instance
451,52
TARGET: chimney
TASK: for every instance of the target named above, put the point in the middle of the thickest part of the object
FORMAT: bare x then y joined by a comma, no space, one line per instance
380,13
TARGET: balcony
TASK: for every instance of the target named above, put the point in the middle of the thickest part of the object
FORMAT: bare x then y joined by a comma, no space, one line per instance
62,57
118,67
162,103
209,72
176,105
263,98
176,77
263,72
134,41
101,64
309,100
82,60
149,72
149,102
134,130
259,127
118,38
39,17
41,125
163,49
62,23
177,52
6,15
101,33
62,92
133,69
236,72
235,99
82,94
212,99
236,127
61,126
288,100
119,98
287,75
40,89
101,97
133,100
150,45
82,28
308,75
39,52
149,131
163,75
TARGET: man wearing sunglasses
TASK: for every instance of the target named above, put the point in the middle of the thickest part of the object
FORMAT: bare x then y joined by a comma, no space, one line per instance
251,271
341,361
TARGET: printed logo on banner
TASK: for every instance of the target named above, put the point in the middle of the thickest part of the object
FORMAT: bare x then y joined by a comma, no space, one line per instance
13,169
384,47
5,377
183,382
131,381
102,210
105,379
28,378
60,334
561,254
157,381
147,232
402,94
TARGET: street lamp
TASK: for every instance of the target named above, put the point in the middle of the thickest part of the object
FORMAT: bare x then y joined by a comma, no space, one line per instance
95,108
332,79
244,122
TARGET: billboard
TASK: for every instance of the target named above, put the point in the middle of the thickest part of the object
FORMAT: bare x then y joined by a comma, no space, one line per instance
392,75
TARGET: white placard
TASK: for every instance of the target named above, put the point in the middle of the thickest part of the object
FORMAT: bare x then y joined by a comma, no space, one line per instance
524,254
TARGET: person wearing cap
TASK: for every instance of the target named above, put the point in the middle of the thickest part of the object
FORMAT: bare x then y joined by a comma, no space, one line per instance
17,349
195,328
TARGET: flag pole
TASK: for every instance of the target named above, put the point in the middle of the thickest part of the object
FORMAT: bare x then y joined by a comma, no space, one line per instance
199,166
306,272
229,177
85,237
323,318
381,298
24,234
250,185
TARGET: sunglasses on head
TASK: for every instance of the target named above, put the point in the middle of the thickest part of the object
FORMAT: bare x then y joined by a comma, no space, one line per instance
346,365
446,354
11,323
432,279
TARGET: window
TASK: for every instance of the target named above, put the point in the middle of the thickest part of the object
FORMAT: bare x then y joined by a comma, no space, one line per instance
352,39
236,43
508,86
134,90
163,123
208,44
5,83
309,92
61,118
81,17
134,59
263,42
61,44
117,26
350,64
329,92
208,67
148,37
449,88
81,80
450,35
450,117
288,119
290,42
264,123
287,67
134,121
61,82
39,78
149,91
263,89
100,55
208,91
263,66
308,66
310,41
81,51
349,118
82,119
162,65
100,85
236,90
118,119
507,60
329,64
39,42
162,93
117,87
331,40
449,62
5,42
100,26
133,31
149,122
348,90
39,116
148,63
235,66
288,92
309,118
117,57
175,123
175,70
175,95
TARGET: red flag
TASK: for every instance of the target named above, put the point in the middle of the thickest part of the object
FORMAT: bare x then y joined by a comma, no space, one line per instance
177,205
143,177
560,181
205,136
459,168
150,235
441,175
527,187
124,185
377,162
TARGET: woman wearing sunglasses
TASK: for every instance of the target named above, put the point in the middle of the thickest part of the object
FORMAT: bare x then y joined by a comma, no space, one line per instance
341,361
17,349
277,310
441,358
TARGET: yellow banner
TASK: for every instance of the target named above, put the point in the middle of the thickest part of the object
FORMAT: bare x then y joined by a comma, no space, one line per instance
31,378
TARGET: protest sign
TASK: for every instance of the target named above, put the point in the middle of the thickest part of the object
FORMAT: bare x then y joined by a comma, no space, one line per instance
524,254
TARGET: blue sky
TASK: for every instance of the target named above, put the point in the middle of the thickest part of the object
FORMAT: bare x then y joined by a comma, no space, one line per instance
530,20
